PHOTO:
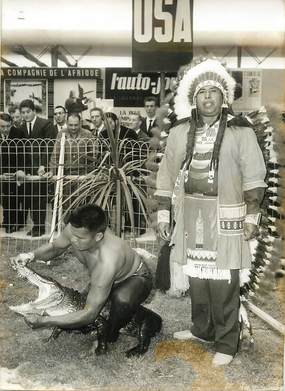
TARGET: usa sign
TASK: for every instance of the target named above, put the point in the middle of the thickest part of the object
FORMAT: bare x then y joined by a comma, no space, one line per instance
162,35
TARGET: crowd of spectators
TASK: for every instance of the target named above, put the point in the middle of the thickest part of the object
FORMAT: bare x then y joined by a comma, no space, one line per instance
30,146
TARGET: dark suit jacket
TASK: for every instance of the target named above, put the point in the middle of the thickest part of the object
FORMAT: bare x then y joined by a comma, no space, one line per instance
6,163
142,136
42,129
128,135
103,133
144,126
11,151
38,152
124,133
55,131
17,133
16,148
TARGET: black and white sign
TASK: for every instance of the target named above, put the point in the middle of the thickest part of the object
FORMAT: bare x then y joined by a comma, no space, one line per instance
162,35
128,89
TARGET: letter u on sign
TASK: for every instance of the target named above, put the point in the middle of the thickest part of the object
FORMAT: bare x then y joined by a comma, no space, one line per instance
142,23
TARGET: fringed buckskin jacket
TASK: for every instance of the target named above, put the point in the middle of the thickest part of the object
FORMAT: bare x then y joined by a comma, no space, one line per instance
241,174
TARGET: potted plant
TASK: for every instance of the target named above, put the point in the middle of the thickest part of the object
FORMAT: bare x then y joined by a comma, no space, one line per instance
115,181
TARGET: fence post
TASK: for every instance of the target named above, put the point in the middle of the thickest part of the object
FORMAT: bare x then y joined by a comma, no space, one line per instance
58,189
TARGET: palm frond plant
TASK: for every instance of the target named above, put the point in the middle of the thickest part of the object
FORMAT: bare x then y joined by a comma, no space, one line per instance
116,180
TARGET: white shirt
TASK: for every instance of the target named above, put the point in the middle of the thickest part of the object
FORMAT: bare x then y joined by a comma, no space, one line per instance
148,121
61,127
101,128
97,131
32,125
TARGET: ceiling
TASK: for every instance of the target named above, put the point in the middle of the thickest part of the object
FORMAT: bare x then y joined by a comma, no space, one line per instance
107,24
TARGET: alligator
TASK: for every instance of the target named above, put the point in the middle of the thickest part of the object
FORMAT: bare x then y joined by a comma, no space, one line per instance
55,299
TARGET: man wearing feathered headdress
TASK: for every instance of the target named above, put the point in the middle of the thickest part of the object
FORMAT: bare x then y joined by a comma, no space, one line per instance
210,184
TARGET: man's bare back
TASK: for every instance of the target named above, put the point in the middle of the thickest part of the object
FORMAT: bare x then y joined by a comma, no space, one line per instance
111,252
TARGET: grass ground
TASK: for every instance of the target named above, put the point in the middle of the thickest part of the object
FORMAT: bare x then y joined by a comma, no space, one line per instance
29,363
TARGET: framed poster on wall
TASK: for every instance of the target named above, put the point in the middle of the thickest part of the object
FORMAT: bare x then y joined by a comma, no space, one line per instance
17,90
74,93
248,92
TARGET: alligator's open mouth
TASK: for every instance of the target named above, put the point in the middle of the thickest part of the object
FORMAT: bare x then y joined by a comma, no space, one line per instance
51,298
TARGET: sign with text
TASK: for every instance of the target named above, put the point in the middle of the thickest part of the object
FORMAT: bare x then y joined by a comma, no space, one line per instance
50,73
162,35
248,89
128,89
124,113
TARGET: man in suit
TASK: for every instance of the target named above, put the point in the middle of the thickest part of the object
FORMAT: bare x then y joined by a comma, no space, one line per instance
16,133
138,153
150,106
60,119
37,154
10,163
135,123
96,117
77,148
16,121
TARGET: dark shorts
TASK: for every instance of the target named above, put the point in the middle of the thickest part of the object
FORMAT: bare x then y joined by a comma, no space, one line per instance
140,282
143,271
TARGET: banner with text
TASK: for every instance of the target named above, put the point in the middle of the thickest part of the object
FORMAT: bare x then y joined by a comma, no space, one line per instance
50,73
128,89
162,35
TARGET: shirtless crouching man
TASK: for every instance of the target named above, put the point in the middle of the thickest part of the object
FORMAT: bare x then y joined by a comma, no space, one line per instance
116,272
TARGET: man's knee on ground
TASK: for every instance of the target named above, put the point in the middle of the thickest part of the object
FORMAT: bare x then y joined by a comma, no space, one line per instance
121,302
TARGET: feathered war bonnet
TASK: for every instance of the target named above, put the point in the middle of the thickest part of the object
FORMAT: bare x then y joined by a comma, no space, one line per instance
208,72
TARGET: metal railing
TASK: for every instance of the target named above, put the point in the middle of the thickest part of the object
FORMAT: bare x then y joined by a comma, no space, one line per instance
41,180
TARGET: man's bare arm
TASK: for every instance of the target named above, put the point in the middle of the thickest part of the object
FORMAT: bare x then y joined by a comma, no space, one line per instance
54,249
45,252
